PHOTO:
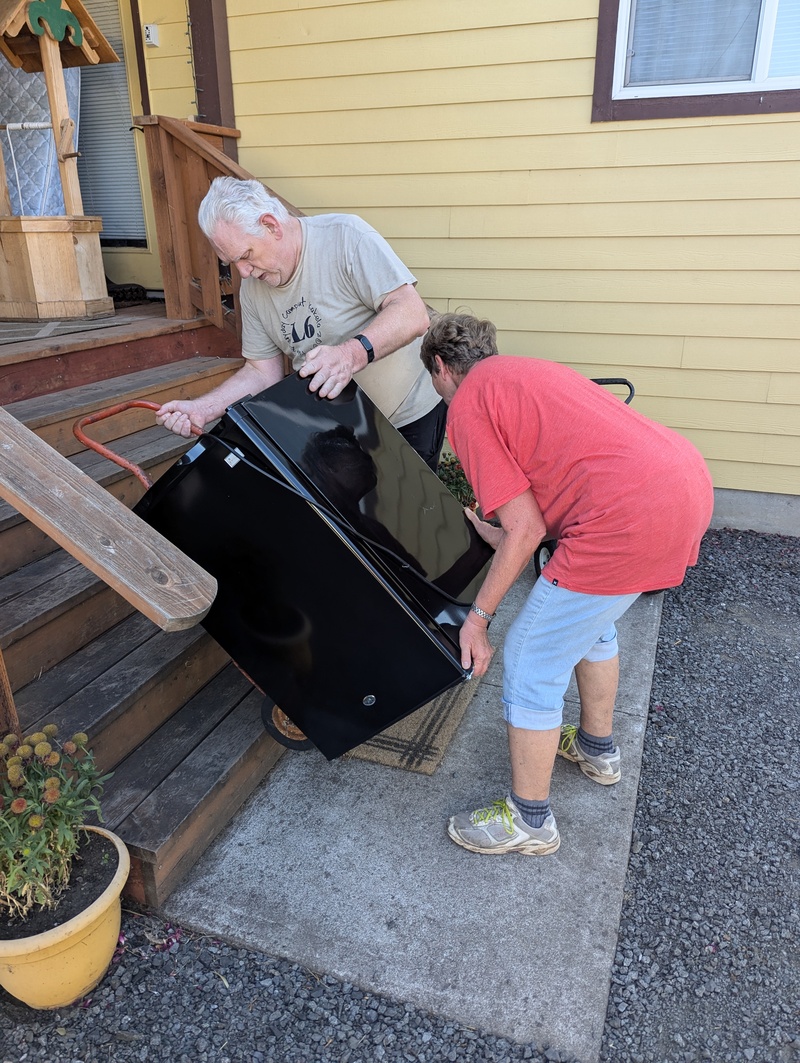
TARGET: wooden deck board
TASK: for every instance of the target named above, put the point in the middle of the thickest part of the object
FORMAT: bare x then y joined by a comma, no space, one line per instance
41,696
136,322
27,579
49,643
54,590
52,416
23,543
181,817
148,766
28,369
129,701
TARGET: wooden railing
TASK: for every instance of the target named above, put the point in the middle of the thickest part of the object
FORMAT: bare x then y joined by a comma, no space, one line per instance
93,526
100,531
183,158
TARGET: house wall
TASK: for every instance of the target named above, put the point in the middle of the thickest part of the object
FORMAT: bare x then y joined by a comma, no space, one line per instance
664,251
170,79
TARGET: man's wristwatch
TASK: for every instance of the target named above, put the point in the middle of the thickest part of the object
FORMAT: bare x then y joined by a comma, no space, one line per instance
367,347
488,617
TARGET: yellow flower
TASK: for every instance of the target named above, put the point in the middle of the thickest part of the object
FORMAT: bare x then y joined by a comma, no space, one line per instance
80,739
51,796
52,783
50,730
52,759
39,736
42,749
69,748
15,774
36,821
11,740
12,761
25,751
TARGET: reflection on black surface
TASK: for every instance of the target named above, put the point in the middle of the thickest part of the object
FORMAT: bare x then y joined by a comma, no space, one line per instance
345,473
364,467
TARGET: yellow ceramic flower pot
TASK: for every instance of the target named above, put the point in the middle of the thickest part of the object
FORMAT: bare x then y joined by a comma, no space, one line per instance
59,966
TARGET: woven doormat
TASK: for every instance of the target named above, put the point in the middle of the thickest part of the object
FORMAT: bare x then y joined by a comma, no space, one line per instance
419,742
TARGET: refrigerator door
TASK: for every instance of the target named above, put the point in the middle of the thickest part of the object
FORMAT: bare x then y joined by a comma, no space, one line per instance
344,565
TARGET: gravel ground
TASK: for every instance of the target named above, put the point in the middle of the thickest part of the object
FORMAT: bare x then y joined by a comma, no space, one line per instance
707,965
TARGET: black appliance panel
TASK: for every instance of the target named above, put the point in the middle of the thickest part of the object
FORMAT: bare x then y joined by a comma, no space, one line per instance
299,608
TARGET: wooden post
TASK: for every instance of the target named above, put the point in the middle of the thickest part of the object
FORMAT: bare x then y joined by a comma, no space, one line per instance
5,199
9,721
62,123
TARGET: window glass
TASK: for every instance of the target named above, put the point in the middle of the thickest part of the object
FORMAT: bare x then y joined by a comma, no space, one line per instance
786,45
691,41
684,58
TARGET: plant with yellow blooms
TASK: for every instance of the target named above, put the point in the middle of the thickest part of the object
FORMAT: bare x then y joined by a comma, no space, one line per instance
48,791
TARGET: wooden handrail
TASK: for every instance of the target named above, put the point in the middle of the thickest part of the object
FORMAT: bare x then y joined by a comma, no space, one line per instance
183,159
148,571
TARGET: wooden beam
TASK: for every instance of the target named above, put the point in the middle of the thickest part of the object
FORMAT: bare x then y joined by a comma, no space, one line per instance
5,199
59,114
9,720
208,24
179,223
143,567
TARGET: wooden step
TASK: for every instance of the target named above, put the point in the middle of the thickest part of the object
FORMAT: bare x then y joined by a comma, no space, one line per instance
123,687
51,417
48,610
169,714
173,795
138,775
141,338
141,440
180,728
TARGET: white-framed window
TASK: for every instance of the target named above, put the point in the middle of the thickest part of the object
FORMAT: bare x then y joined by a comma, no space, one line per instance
684,58
700,47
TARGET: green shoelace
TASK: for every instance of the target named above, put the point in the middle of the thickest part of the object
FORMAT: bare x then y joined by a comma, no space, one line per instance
569,732
497,810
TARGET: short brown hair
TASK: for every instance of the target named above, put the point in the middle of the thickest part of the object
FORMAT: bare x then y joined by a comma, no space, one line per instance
460,340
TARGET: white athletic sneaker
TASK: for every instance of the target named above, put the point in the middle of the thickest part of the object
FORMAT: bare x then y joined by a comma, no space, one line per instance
500,828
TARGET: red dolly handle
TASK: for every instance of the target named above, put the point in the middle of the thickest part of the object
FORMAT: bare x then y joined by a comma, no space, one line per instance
101,415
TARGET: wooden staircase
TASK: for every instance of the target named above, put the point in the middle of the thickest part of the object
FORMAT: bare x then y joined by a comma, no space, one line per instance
167,712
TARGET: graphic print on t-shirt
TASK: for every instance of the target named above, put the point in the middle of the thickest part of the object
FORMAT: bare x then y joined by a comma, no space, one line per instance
301,327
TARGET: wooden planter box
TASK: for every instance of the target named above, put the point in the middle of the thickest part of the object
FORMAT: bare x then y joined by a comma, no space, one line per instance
51,267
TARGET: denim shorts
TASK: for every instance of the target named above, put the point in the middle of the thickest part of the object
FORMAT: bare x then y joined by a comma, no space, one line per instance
553,631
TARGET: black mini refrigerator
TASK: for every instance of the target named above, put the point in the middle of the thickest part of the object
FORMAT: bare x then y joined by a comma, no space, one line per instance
345,567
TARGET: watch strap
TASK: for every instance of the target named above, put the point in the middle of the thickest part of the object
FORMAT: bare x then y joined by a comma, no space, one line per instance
367,347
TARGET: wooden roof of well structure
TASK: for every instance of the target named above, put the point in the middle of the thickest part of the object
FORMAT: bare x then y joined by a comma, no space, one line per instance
80,42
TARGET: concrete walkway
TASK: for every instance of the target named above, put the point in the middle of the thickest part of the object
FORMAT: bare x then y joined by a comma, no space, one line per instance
345,867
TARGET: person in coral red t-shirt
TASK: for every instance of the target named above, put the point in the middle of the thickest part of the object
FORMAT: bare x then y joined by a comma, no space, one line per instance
552,455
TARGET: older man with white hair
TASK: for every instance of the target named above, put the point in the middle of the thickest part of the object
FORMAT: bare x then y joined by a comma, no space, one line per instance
329,292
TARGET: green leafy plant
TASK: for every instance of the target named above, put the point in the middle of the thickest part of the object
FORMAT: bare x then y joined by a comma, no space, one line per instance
48,791
451,473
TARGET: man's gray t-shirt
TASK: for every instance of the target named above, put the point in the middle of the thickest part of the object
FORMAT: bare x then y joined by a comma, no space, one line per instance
346,269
